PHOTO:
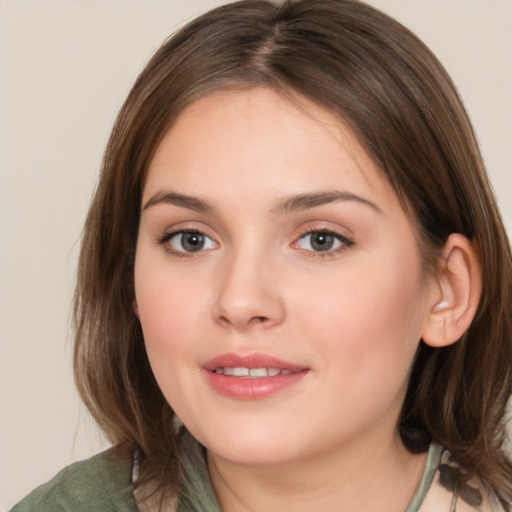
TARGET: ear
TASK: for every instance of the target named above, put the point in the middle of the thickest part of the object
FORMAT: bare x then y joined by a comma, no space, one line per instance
456,293
135,308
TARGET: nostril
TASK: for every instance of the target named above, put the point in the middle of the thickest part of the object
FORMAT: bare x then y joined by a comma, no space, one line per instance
224,320
260,319
255,320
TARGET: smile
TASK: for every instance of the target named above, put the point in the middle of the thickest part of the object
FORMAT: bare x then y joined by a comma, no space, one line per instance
252,376
252,373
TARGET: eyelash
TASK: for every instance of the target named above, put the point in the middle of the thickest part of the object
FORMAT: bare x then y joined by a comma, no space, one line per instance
166,237
345,242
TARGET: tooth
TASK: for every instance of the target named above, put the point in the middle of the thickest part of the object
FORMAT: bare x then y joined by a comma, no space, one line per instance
241,371
258,372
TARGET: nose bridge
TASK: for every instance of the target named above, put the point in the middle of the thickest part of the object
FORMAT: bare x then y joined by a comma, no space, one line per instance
247,294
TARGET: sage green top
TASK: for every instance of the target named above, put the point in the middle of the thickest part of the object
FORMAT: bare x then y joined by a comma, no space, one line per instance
100,484
103,483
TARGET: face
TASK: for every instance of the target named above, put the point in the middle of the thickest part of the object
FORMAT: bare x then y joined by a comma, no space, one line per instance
278,281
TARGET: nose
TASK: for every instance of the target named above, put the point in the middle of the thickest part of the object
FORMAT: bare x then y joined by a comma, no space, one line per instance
248,293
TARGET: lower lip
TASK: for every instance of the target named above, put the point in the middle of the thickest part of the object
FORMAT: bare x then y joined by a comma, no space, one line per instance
252,388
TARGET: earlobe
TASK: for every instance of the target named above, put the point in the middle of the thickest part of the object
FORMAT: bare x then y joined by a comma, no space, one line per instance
456,293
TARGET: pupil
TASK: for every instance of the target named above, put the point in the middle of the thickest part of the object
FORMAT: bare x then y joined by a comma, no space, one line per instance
322,241
192,241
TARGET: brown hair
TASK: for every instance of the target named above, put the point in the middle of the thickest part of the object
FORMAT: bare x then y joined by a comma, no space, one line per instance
379,78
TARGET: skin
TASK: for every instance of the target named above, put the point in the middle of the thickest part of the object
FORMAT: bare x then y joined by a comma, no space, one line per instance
352,316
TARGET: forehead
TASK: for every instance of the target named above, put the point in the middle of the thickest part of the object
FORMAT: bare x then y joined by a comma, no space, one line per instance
258,139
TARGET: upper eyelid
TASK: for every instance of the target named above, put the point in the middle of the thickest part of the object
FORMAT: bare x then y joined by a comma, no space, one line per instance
168,234
187,227
325,227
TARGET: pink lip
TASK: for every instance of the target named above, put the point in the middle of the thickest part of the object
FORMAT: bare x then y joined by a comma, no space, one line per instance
253,360
247,388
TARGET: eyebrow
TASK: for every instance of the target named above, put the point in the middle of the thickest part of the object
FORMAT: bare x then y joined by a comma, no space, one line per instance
312,200
182,200
288,204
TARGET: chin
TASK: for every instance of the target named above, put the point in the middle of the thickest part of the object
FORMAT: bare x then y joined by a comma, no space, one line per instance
255,454
252,446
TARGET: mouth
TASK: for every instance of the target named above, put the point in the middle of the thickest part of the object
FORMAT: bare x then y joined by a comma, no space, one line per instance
251,376
252,373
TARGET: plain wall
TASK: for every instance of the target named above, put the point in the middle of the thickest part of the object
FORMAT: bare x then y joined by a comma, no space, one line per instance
65,68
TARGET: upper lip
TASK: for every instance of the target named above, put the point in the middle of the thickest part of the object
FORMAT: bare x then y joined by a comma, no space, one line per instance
253,360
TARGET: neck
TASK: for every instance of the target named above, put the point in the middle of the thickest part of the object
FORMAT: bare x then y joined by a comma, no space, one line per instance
382,478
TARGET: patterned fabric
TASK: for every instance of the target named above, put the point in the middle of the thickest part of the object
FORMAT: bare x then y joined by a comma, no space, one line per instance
452,491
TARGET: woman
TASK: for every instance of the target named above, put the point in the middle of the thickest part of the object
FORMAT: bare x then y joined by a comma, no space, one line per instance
293,257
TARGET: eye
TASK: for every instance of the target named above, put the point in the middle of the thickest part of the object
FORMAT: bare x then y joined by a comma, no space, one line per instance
323,241
187,242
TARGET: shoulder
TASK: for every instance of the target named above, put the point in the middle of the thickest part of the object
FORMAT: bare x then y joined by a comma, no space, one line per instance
101,483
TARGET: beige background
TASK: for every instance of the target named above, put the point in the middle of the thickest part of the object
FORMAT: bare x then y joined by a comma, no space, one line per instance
65,67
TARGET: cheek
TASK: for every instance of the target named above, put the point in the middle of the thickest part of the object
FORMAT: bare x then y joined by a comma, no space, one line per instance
371,316
167,308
